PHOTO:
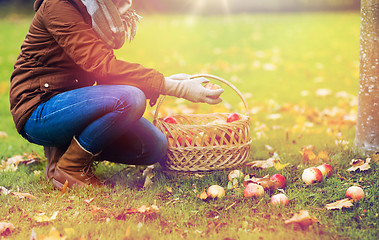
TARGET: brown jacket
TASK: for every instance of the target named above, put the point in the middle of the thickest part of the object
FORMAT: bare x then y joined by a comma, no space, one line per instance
61,52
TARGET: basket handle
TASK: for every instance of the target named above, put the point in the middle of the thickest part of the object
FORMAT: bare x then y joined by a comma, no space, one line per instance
208,76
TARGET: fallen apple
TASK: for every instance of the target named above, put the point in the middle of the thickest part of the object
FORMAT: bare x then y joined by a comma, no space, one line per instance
326,170
235,174
253,190
279,199
312,175
216,191
280,180
170,119
233,117
355,193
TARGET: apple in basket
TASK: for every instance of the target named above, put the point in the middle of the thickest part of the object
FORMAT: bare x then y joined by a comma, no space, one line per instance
233,117
170,119
202,139
186,142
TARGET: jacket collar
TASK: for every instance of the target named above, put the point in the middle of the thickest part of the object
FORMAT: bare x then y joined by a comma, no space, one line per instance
37,4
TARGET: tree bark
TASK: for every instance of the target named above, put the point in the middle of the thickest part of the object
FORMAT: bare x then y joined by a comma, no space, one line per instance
367,131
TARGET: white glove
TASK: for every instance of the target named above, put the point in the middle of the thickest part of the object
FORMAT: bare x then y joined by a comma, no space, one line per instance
192,90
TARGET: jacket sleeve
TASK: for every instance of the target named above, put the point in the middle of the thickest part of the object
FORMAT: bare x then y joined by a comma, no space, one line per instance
89,52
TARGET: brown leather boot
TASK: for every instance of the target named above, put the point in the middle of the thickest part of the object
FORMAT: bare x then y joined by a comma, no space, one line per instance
52,154
75,166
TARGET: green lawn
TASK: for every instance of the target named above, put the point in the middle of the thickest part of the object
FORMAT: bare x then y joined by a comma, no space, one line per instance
299,76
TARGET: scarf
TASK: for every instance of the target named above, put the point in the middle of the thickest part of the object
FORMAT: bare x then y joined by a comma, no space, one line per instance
113,20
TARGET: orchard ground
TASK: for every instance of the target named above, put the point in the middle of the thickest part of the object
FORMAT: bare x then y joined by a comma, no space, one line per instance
299,76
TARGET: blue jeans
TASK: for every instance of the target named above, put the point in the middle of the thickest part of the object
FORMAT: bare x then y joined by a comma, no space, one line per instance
104,118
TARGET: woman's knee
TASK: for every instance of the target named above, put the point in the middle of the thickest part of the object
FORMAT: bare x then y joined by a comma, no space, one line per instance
130,99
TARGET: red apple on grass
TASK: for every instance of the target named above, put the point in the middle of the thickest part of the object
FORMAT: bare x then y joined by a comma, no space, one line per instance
253,190
215,191
326,170
279,199
280,180
355,193
312,175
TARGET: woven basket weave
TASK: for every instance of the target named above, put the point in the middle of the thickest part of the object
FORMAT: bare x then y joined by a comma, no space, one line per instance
206,142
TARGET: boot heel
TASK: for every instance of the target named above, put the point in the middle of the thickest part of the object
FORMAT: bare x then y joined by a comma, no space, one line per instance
57,184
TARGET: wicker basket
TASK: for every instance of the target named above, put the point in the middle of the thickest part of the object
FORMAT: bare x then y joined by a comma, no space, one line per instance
206,142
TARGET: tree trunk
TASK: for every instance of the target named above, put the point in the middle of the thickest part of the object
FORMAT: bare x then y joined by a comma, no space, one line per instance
367,134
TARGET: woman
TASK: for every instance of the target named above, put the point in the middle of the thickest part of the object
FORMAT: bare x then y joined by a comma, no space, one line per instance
71,94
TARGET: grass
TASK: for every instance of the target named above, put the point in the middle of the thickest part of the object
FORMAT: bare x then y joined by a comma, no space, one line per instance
280,63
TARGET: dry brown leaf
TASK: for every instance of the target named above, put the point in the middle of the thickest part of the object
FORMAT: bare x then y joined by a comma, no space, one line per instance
96,209
302,218
270,162
64,188
169,189
43,218
6,228
89,200
344,203
359,164
323,156
23,195
143,210
202,195
308,155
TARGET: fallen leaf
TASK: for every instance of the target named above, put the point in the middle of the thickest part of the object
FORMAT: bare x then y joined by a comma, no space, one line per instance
64,188
203,195
264,163
323,156
143,210
169,189
89,200
6,228
302,218
95,210
344,203
127,233
42,217
3,135
4,191
33,235
149,175
308,155
279,166
23,195
360,164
